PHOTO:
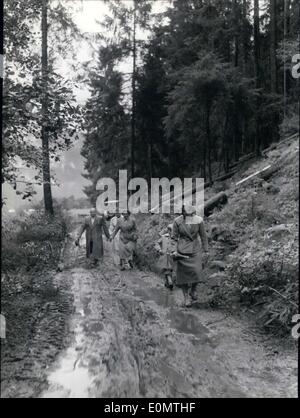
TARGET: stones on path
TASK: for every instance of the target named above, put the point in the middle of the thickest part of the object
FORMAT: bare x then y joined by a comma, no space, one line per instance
270,188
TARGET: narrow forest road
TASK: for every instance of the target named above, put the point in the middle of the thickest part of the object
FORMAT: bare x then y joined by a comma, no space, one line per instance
131,338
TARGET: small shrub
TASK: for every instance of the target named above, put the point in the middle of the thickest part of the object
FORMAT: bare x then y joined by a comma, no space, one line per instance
34,243
266,276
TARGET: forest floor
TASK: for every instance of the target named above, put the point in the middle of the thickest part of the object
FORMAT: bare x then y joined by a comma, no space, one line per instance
130,337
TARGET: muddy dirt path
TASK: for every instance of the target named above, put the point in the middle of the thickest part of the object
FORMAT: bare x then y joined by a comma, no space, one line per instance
131,338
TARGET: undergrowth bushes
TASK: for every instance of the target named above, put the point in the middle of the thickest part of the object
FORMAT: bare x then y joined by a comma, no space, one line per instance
262,272
265,273
32,242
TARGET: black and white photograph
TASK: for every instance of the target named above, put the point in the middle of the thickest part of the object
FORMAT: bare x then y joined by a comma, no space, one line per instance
150,201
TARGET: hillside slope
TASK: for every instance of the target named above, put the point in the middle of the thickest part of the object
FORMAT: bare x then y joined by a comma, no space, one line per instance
253,240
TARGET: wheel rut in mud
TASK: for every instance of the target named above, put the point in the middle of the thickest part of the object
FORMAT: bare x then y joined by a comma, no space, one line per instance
131,338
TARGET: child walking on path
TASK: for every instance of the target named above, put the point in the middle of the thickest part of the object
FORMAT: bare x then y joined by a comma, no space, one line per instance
166,247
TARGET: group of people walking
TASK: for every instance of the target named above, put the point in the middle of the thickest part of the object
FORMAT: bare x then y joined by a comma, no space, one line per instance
179,247
122,232
181,252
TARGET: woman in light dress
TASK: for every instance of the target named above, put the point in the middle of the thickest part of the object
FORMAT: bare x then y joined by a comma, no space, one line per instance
126,226
116,240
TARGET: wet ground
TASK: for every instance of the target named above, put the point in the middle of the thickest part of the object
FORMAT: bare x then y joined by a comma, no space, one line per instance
131,338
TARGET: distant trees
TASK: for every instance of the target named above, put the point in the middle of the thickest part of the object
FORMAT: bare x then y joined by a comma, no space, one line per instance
128,18
208,88
107,123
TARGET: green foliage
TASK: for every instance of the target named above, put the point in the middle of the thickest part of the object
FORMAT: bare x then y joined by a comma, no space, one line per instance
197,104
24,90
106,121
262,268
266,275
33,242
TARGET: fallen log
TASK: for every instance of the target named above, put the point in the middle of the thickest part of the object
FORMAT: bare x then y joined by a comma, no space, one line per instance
225,176
218,200
265,175
277,144
259,172
276,166
243,159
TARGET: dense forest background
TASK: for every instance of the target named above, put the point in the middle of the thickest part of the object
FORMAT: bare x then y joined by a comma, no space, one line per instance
208,83
211,84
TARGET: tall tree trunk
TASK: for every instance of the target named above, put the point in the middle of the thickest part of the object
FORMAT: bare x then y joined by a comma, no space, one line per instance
204,157
284,66
245,37
236,36
274,65
257,44
208,107
225,151
150,151
288,16
273,46
257,144
48,202
236,51
133,111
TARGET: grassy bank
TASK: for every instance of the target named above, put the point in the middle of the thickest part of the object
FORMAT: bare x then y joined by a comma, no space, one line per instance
35,308
253,239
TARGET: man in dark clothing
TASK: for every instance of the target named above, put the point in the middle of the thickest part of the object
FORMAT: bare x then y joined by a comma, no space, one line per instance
94,227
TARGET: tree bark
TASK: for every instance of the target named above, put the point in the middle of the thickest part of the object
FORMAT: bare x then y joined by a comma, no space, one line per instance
257,145
273,46
48,202
288,16
133,112
236,37
219,199
150,152
245,38
208,140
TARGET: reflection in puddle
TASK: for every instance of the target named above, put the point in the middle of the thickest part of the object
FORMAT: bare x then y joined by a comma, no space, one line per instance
70,380
181,320
162,297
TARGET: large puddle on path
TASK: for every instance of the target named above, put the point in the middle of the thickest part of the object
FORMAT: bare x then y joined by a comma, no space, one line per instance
71,377
183,321
70,380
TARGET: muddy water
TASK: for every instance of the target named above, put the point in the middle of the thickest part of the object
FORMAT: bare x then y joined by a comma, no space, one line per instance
70,377
131,338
